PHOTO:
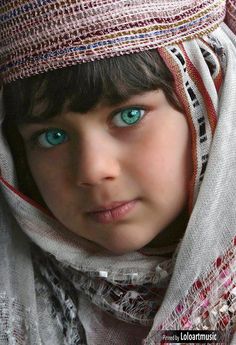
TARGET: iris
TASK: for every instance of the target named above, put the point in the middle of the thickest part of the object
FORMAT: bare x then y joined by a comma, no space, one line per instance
52,137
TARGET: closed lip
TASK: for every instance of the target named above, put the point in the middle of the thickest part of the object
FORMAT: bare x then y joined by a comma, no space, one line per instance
112,212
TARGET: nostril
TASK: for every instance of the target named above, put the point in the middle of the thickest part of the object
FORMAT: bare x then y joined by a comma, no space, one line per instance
95,181
84,184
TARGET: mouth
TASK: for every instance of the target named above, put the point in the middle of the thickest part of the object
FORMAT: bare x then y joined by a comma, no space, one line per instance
113,212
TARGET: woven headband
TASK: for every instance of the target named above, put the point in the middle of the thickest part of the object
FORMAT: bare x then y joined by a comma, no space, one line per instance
41,35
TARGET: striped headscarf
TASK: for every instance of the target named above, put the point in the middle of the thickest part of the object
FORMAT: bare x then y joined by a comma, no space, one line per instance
41,35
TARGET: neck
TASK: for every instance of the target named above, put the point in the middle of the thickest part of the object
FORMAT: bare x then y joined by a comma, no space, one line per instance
172,234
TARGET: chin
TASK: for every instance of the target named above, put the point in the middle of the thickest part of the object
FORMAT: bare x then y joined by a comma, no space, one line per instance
124,248
120,251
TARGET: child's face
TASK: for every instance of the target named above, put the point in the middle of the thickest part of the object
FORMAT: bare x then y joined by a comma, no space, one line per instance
116,176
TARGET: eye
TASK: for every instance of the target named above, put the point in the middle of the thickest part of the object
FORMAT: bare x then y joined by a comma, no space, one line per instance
52,137
128,117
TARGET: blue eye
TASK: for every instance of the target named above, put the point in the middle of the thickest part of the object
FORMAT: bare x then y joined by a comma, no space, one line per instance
52,137
128,117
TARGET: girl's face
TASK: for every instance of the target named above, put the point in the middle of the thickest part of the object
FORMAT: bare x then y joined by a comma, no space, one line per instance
116,176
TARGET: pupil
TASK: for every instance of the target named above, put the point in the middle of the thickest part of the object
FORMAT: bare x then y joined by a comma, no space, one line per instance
54,137
57,135
132,113
131,116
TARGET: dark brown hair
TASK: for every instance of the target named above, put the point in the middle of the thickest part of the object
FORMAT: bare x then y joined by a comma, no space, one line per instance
83,86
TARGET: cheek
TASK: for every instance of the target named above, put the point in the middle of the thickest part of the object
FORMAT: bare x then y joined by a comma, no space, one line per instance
50,178
163,163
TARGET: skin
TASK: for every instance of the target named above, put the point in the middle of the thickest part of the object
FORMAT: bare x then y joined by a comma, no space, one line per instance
101,162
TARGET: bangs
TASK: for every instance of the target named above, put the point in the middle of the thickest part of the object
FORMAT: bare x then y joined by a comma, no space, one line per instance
81,87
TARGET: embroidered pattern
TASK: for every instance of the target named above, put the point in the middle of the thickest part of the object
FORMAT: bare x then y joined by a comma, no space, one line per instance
210,303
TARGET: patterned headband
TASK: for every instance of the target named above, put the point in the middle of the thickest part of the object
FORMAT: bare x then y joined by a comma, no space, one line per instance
42,35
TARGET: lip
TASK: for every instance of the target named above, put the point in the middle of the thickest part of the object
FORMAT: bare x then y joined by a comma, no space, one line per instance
114,212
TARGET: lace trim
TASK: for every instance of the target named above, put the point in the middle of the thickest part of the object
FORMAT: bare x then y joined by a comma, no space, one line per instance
127,301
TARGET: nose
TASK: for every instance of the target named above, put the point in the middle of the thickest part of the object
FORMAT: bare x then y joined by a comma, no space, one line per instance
96,162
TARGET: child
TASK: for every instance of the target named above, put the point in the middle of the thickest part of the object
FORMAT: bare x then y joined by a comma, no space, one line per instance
117,199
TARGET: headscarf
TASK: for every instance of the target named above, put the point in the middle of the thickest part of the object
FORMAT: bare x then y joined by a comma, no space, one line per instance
57,288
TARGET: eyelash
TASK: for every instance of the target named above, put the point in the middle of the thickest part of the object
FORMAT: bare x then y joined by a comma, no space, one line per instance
34,139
